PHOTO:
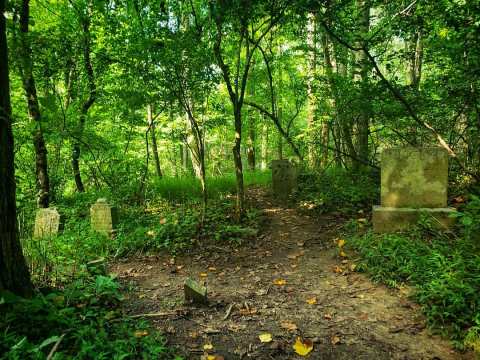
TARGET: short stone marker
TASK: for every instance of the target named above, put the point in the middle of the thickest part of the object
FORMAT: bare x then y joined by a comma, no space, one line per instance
103,217
284,179
195,293
414,181
47,223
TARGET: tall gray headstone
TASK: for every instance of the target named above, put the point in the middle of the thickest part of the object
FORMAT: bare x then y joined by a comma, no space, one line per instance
284,179
414,181
47,223
103,217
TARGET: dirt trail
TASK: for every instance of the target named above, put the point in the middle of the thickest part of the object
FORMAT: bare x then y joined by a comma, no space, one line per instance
348,316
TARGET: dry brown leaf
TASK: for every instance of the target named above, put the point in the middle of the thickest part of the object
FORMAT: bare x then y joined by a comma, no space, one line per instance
328,316
290,326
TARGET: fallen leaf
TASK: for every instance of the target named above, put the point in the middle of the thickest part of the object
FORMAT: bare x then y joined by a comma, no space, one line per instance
212,268
140,333
362,220
328,316
312,301
207,347
341,243
303,347
280,282
203,274
353,267
290,326
265,337
163,221
342,254
335,340
337,269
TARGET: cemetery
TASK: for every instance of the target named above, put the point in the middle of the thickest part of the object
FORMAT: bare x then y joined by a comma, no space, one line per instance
234,180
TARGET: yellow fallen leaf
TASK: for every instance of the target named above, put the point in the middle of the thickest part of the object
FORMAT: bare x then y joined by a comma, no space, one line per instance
312,301
303,347
353,267
203,274
362,220
212,268
265,337
280,282
337,269
207,347
342,254
341,243
335,340
140,333
290,326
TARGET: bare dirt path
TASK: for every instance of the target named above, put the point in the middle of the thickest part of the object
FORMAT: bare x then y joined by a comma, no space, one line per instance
286,283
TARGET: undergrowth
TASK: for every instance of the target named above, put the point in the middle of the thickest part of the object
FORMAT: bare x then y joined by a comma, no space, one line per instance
444,270
82,321
337,189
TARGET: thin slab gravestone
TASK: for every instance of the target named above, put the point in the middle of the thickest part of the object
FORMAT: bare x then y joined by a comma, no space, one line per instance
194,292
414,182
47,223
284,179
103,217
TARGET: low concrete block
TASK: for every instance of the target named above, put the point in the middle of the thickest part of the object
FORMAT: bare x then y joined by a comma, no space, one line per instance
390,219
195,293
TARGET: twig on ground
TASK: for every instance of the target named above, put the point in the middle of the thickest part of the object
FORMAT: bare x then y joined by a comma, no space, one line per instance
55,347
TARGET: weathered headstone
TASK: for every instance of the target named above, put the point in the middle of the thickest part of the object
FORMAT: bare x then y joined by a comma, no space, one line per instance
194,292
414,181
284,179
103,217
47,223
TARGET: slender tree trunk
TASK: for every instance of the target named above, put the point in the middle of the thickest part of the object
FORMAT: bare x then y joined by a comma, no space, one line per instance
312,117
416,60
264,146
88,102
361,70
26,69
237,159
151,124
14,275
251,141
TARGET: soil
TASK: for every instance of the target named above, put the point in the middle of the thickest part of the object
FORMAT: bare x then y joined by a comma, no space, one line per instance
289,282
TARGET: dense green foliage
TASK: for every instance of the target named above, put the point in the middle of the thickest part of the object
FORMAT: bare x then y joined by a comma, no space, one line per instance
85,318
444,270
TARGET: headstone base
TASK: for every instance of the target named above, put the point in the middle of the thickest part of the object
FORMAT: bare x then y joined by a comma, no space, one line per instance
390,219
195,293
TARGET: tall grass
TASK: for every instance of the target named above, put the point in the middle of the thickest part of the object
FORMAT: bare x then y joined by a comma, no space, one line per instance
187,189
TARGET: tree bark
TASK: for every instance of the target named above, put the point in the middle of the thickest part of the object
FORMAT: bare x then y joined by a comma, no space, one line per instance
416,60
361,70
76,150
28,80
312,118
264,145
151,124
14,275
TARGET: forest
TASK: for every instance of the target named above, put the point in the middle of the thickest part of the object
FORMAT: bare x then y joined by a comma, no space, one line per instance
235,179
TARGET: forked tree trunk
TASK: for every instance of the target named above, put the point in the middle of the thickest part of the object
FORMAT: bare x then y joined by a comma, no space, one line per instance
26,69
14,274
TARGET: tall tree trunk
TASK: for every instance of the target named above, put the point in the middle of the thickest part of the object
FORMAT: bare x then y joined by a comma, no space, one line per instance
312,117
26,69
237,159
251,141
416,60
264,145
153,135
280,137
361,69
14,275
88,102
